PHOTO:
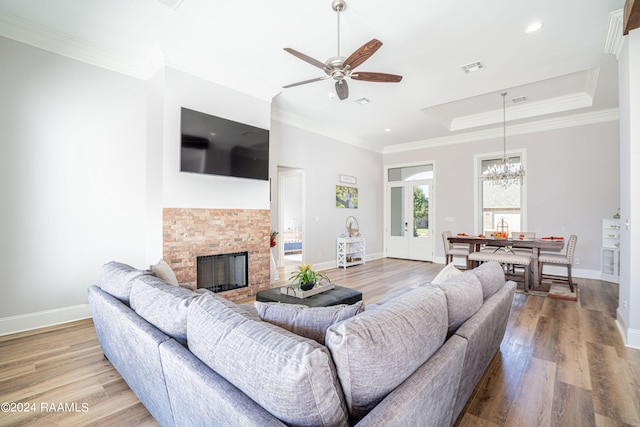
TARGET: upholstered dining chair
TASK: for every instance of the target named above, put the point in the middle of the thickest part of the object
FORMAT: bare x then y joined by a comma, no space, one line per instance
450,250
507,259
559,259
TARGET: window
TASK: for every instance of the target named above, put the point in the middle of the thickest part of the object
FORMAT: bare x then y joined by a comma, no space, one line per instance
497,202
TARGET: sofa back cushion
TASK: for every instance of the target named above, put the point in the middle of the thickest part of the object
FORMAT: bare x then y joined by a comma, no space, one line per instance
162,305
117,278
491,276
464,298
377,350
290,376
310,322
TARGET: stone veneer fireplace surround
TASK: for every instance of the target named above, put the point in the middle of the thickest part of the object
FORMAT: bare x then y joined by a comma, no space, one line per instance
192,232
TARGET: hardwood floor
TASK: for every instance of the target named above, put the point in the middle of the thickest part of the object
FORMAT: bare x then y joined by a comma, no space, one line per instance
561,363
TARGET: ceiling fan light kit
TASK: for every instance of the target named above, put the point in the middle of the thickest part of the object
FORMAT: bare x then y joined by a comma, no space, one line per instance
339,68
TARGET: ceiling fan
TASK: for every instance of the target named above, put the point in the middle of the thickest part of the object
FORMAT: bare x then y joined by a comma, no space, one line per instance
339,67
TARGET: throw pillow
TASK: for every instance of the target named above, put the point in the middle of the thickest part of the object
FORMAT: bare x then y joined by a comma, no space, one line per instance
117,278
446,273
164,272
464,298
375,351
162,305
310,322
491,275
290,376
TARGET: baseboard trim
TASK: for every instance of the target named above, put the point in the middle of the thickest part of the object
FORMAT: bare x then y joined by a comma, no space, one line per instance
40,319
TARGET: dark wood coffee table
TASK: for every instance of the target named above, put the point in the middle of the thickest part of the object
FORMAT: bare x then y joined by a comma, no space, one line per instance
335,296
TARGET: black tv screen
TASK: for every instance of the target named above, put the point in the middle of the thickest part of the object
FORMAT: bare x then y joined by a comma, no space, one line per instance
217,146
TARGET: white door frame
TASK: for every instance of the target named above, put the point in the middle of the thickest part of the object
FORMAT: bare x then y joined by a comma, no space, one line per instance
283,172
432,204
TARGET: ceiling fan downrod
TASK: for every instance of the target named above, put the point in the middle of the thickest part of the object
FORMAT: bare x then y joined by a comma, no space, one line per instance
338,6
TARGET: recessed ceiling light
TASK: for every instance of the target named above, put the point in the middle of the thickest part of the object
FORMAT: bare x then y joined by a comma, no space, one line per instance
362,101
533,27
387,130
331,95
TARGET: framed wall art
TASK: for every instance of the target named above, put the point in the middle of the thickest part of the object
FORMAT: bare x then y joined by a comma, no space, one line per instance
346,197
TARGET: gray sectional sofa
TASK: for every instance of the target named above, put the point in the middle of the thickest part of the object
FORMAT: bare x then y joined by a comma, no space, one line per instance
197,359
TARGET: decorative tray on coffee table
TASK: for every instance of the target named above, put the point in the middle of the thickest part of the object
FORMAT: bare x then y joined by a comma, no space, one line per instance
293,291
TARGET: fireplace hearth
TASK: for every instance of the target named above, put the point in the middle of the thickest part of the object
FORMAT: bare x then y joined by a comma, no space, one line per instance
224,272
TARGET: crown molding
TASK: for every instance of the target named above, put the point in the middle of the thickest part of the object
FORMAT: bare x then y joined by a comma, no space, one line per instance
518,129
533,109
613,42
28,32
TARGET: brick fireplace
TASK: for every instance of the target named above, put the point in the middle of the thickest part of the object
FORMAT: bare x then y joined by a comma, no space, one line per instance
190,233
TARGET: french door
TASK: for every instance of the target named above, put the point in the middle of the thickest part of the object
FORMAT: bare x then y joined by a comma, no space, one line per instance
408,232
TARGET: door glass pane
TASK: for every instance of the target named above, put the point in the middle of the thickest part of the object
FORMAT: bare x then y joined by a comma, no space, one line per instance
397,211
421,211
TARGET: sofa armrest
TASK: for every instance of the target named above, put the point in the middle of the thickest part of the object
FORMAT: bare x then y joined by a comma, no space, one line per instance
484,332
131,344
199,396
427,397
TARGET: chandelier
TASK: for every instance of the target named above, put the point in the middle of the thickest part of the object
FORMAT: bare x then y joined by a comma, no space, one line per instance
505,173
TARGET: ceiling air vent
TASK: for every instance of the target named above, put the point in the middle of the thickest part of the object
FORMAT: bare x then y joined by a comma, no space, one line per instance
474,66
519,99
173,4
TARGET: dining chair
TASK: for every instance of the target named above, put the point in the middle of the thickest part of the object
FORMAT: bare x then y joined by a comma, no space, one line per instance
507,259
559,259
450,250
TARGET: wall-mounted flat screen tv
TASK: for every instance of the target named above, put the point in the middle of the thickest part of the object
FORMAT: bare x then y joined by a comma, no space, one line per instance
217,146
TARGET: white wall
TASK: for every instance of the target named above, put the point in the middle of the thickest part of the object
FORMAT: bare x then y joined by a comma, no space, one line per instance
189,190
72,165
628,313
572,183
323,160
88,159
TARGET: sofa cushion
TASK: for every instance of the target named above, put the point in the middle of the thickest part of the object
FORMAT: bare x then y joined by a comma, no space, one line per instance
164,272
377,350
162,305
446,273
117,278
464,298
310,322
491,276
290,376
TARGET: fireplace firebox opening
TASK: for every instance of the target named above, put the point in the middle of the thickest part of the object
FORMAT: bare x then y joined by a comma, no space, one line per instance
225,272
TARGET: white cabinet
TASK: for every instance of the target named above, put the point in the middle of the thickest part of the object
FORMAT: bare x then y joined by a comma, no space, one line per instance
610,252
350,251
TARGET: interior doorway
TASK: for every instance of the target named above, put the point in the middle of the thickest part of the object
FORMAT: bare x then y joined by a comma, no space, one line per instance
291,217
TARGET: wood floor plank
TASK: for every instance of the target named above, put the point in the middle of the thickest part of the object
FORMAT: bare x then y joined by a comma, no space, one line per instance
572,407
612,386
535,396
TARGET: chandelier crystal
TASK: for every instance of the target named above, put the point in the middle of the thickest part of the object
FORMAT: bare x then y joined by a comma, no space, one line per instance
505,173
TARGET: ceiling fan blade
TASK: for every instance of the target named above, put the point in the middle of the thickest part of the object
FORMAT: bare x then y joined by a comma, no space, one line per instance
362,54
317,79
342,89
305,58
376,77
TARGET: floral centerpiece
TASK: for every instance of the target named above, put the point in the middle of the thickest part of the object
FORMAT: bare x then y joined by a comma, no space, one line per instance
306,278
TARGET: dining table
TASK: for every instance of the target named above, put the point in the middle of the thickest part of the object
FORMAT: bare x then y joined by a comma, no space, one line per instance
552,244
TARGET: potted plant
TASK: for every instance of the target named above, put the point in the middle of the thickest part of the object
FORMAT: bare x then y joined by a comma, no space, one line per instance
306,278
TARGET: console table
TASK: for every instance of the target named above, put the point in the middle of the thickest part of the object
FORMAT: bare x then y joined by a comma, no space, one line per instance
350,251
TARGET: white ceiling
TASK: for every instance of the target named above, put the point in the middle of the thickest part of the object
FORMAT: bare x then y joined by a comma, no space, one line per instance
567,71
